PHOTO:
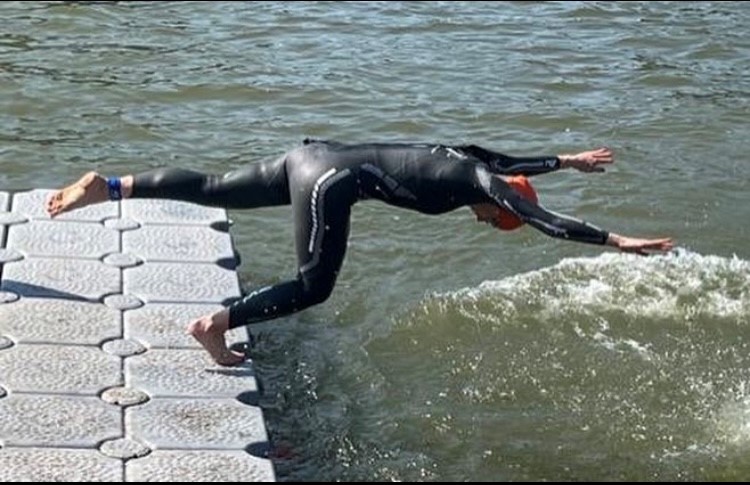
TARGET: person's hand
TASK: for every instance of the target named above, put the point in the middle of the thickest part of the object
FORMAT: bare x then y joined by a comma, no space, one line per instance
588,161
639,246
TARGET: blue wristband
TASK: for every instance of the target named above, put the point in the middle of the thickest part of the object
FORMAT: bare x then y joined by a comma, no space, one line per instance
115,188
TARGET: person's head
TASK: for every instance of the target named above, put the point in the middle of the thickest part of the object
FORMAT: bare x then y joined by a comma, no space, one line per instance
499,217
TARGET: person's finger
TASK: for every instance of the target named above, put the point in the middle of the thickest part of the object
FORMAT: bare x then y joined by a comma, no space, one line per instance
661,245
664,242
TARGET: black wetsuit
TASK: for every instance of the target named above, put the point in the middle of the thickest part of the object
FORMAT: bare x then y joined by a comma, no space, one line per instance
323,180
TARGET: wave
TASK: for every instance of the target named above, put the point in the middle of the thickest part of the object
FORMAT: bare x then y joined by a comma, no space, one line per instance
683,286
639,349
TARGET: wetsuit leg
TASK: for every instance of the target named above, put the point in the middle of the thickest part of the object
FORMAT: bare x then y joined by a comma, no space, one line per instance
321,201
256,185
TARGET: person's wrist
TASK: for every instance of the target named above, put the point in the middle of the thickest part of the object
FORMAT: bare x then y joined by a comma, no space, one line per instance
564,160
614,240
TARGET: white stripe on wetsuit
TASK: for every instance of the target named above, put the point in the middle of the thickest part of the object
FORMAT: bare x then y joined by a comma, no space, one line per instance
549,163
317,208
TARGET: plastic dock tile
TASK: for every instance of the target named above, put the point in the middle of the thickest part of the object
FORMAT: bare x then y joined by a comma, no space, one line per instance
60,278
179,282
51,465
194,466
98,380
72,240
31,206
170,373
57,420
178,244
36,320
169,212
197,424
162,325
52,369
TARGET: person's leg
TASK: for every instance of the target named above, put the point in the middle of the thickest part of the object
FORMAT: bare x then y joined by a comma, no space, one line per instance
89,189
321,220
256,185
321,213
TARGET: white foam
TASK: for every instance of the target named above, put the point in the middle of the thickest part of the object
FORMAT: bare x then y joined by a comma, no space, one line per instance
683,284
732,421
587,293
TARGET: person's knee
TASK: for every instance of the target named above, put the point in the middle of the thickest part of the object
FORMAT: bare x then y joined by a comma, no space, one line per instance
320,294
316,292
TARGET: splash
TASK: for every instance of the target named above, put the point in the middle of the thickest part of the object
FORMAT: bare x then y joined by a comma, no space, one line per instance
732,420
681,286
652,352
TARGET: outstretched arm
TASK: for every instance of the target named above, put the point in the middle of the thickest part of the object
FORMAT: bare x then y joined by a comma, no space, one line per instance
562,226
501,164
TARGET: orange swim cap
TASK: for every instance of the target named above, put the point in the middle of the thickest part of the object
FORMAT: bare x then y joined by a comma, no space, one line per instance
506,220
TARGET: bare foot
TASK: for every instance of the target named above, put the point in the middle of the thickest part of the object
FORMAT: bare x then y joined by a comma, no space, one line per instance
210,334
90,189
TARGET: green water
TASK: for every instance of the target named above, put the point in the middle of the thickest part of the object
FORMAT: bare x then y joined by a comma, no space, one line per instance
448,351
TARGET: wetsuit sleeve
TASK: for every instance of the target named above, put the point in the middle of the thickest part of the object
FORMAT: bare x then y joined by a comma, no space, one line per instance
501,164
550,223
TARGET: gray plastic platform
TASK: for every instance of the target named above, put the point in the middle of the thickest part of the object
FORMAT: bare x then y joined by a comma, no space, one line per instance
98,381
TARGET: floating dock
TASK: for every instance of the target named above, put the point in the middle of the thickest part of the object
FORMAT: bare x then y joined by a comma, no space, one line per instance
98,381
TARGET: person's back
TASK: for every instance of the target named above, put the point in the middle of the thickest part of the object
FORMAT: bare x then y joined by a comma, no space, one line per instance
431,179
